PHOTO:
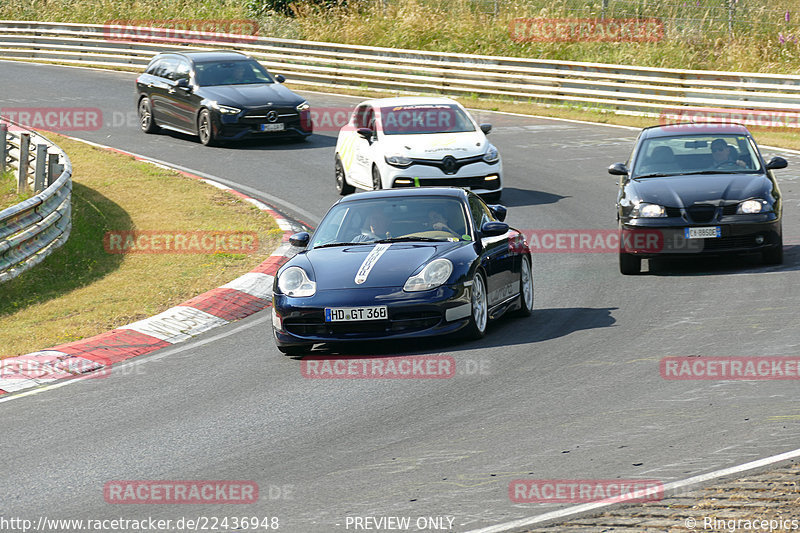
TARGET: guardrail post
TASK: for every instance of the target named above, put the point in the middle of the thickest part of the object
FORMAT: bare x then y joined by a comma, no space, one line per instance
53,171
3,147
41,168
24,160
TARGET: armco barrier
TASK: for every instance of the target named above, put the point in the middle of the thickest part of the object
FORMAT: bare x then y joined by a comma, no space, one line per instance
629,89
32,229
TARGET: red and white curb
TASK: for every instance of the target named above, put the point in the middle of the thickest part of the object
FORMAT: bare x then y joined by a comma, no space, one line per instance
240,298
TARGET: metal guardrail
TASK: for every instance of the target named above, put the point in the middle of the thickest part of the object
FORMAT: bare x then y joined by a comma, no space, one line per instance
618,88
34,228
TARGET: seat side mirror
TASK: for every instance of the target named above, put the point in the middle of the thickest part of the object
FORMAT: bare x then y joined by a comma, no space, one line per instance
498,211
618,169
280,78
777,162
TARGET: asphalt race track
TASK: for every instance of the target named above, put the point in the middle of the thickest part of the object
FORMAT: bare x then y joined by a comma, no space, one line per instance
573,392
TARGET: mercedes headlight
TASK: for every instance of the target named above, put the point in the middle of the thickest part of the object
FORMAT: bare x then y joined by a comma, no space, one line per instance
434,274
644,210
303,106
228,110
294,282
398,160
491,155
749,207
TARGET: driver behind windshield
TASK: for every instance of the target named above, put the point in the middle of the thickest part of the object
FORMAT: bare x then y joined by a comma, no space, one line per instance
724,155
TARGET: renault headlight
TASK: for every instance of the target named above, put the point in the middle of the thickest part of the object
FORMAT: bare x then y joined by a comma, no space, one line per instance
491,155
294,282
434,274
645,210
749,207
398,160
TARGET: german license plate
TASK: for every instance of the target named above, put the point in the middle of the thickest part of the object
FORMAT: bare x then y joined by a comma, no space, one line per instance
711,232
350,314
272,127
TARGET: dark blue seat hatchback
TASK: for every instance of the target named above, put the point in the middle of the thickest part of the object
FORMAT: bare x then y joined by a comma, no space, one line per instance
218,96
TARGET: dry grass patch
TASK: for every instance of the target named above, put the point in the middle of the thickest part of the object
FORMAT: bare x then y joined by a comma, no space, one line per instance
82,290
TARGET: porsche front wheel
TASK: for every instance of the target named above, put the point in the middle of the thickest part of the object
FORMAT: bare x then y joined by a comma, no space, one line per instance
480,312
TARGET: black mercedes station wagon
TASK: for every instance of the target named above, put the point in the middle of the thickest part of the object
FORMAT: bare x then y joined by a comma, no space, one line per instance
218,96
700,188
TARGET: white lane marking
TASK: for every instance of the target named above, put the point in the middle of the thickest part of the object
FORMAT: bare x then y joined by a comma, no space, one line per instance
564,513
177,324
140,360
253,283
369,262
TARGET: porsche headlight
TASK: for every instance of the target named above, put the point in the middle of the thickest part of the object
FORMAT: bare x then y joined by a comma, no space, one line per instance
294,282
749,207
644,210
398,160
228,110
491,155
302,107
434,274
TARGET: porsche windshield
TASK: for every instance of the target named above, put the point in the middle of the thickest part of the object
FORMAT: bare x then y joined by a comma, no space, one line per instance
418,119
696,154
392,220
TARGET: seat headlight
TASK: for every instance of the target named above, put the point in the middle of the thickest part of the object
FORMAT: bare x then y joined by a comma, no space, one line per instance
434,274
749,207
398,160
295,282
644,210
303,106
228,110
491,155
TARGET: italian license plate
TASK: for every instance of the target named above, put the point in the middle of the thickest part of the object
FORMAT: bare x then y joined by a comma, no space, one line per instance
711,232
272,127
350,314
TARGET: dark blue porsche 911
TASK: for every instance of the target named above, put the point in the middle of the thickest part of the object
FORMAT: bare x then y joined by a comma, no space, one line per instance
401,263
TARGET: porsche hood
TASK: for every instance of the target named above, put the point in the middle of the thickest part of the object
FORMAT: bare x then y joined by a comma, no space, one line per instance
370,265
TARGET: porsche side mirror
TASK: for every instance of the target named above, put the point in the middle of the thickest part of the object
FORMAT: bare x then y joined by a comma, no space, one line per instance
498,211
280,78
366,133
486,128
300,240
618,169
777,162
494,229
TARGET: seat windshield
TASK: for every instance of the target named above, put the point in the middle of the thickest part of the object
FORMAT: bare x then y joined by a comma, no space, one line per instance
242,72
393,220
696,154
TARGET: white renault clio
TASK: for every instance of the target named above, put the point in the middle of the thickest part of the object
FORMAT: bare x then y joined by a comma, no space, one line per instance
416,141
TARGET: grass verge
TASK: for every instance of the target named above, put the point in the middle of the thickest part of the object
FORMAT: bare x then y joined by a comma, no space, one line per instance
735,36
8,190
82,290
